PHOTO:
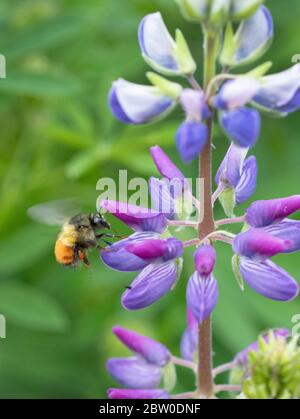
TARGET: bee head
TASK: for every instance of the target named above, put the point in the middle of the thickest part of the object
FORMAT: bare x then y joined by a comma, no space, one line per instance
98,221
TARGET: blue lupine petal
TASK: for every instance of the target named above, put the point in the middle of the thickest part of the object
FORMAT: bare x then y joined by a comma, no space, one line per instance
150,285
236,93
162,197
269,280
137,104
280,92
191,139
242,126
156,44
230,170
134,372
248,181
202,296
254,36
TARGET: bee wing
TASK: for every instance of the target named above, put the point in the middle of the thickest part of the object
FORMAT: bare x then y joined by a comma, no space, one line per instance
54,213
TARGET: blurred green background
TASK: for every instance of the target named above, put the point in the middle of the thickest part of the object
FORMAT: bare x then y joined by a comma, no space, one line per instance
57,139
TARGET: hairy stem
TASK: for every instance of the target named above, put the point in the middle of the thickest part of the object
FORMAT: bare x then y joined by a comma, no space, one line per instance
224,368
228,387
207,226
183,363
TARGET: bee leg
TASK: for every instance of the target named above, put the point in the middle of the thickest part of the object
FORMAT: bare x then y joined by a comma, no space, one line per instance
81,256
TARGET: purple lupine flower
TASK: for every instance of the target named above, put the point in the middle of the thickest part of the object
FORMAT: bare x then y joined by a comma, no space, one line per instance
123,394
264,276
165,166
137,104
163,196
288,230
238,173
280,92
151,350
202,290
192,135
242,357
235,94
265,213
118,258
242,126
158,277
269,280
259,245
251,40
134,372
189,340
136,217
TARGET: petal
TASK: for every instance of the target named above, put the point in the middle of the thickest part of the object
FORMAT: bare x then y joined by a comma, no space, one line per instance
269,279
153,351
256,243
280,92
230,171
194,105
117,257
138,218
164,164
264,213
242,126
287,230
202,296
236,93
134,372
189,343
157,45
248,181
150,285
137,104
253,37
123,394
157,250
191,139
161,197
205,259
242,357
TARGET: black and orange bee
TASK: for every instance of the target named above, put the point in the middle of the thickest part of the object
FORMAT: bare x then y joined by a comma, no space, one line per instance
78,234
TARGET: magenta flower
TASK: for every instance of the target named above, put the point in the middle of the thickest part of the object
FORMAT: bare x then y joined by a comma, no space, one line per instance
164,164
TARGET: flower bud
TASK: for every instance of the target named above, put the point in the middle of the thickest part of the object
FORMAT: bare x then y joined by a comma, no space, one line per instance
205,259
153,351
191,138
243,9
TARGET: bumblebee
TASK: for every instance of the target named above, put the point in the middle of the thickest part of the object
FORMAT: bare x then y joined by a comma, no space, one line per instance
78,234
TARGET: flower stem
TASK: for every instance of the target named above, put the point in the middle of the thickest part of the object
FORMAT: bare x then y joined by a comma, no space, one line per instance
183,363
224,368
183,223
230,221
207,226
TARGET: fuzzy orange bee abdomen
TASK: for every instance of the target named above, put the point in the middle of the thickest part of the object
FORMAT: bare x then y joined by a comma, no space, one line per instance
64,254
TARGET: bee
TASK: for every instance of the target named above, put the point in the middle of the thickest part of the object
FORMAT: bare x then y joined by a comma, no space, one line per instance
79,233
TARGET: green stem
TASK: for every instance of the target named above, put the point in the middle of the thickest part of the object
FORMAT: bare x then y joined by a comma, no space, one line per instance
207,226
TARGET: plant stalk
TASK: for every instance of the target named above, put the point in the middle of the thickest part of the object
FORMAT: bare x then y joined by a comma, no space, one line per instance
207,226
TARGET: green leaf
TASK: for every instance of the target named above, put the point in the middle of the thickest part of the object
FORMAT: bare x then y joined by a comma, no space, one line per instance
236,270
227,200
169,377
31,308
